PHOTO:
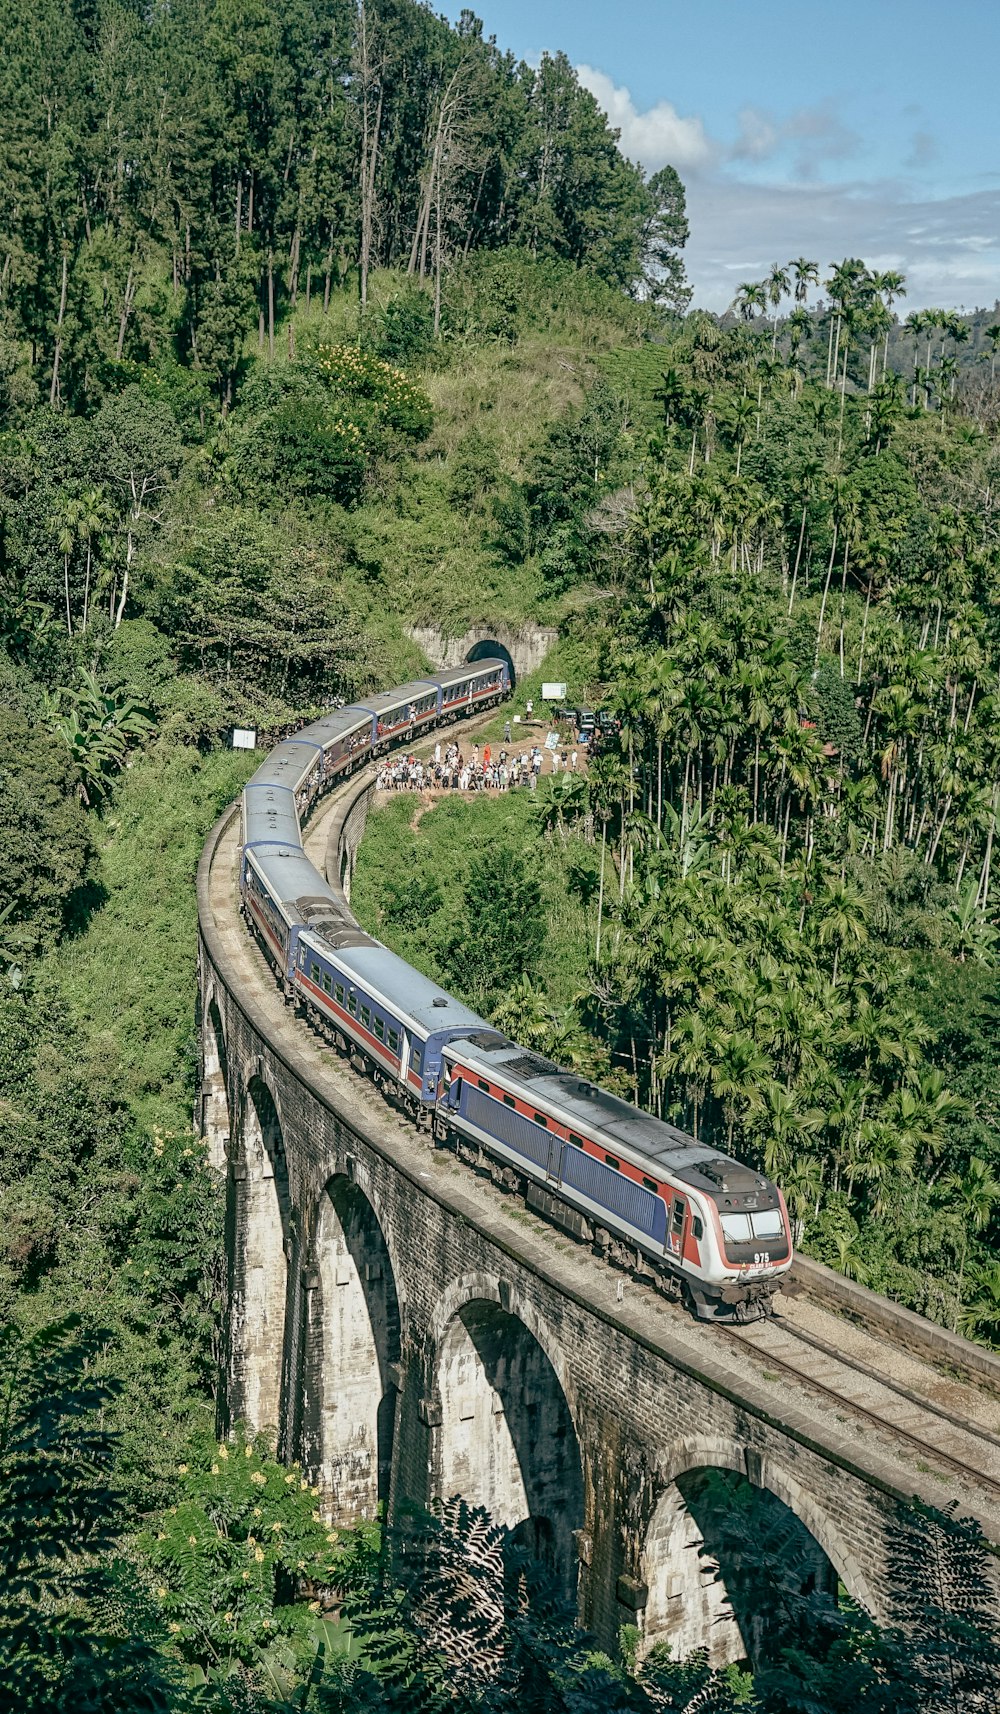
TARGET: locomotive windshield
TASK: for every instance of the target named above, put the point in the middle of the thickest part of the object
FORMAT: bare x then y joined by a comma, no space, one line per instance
743,1228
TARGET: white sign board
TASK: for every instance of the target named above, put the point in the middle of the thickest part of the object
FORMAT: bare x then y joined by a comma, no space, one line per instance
553,693
244,738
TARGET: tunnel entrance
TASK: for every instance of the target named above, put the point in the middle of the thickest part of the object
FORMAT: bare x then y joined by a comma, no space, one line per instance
507,1440
354,1338
488,650
730,1568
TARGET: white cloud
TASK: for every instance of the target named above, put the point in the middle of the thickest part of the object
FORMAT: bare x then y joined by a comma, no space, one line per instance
656,137
948,247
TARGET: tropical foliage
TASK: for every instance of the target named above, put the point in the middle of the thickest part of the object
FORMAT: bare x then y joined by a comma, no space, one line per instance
329,325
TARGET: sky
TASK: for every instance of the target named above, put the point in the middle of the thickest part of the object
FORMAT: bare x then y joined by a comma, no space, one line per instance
868,128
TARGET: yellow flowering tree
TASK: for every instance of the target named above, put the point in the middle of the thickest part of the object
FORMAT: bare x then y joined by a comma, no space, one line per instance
314,428
356,374
233,1562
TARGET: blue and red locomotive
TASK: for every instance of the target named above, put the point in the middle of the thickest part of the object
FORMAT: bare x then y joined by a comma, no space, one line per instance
713,1230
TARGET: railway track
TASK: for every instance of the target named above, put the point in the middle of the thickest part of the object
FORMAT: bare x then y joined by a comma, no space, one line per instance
937,1439
893,1409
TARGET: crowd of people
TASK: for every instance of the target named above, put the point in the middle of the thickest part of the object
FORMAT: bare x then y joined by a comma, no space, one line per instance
488,769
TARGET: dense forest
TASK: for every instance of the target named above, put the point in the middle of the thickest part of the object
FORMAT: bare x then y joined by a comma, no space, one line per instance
318,324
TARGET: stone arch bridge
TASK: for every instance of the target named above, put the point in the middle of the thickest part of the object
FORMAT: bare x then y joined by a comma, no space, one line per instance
408,1331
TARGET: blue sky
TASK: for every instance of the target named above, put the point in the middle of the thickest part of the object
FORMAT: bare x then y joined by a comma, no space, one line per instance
802,129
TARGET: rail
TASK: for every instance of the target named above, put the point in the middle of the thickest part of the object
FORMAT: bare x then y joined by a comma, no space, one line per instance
336,829
819,1283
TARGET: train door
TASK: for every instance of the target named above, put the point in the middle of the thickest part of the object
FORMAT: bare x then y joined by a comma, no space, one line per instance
675,1229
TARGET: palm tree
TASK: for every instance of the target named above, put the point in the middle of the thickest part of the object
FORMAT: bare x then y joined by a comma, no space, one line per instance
993,335
736,1076
777,285
65,527
848,1260
751,299
95,516
741,416
671,395
842,288
799,328
802,1184
924,322
981,1317
889,286
977,1192
695,1046
900,712
840,516
806,274
972,934
809,476
948,371
662,693
844,921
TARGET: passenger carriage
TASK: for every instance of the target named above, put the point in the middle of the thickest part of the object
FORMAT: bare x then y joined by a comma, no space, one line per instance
345,737
477,684
713,1229
401,713
376,1005
282,894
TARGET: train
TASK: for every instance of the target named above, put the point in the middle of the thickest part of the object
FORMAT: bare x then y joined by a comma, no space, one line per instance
709,1230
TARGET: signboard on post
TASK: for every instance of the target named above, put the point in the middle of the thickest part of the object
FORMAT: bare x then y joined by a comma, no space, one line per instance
553,693
244,738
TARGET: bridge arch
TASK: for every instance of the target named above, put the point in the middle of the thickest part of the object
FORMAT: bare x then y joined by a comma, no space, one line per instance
352,1354
691,1559
259,1220
214,1119
503,1433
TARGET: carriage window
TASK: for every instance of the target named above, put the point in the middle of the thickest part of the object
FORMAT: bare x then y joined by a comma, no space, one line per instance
338,993
327,984
736,1228
352,1005
366,1016
314,972
697,1227
651,1184
678,1216
612,1162
768,1224
483,1085
575,1140
540,1119
393,1041
379,1028
509,1101
416,1056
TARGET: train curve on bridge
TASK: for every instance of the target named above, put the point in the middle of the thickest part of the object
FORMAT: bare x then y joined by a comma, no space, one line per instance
287,1118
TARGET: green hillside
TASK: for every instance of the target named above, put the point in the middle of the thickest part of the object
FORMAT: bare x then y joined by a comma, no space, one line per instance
327,322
